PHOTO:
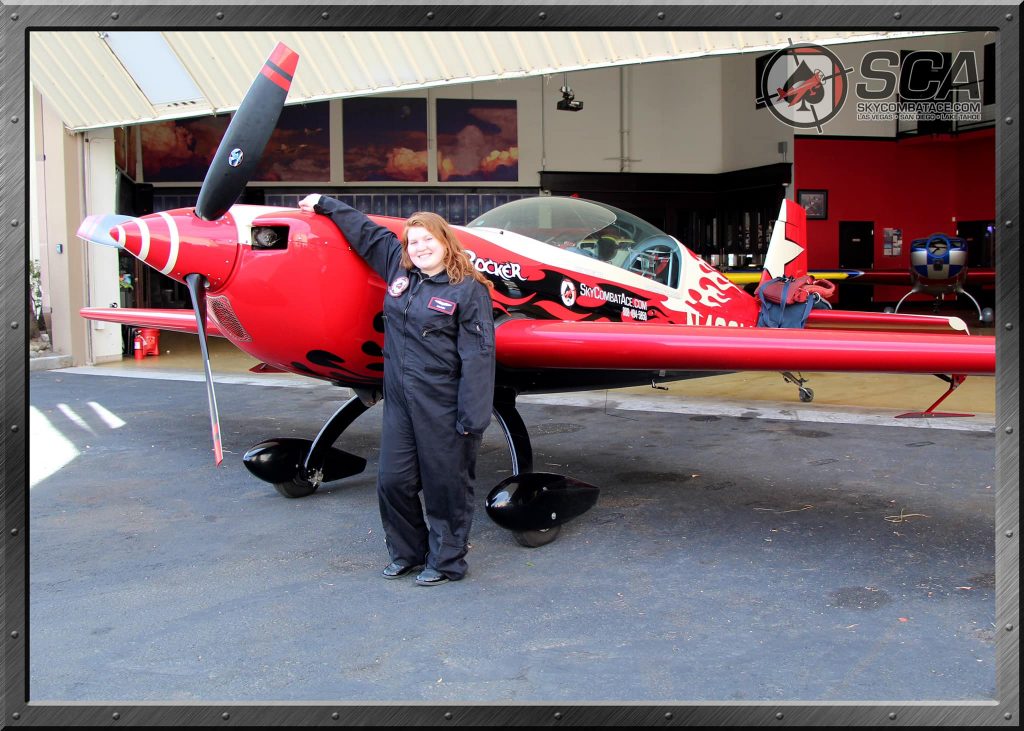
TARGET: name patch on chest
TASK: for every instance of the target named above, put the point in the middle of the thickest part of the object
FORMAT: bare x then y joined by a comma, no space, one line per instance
439,305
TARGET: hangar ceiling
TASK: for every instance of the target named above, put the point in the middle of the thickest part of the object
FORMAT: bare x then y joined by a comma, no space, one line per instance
81,75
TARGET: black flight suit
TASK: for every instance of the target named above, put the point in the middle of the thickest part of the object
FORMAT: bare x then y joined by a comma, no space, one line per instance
438,396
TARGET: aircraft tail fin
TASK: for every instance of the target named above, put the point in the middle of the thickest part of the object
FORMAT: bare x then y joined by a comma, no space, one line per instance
787,250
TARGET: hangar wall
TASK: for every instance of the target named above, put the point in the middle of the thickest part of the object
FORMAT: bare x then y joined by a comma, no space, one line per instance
919,185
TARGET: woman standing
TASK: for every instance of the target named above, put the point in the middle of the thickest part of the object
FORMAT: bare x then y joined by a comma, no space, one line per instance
438,386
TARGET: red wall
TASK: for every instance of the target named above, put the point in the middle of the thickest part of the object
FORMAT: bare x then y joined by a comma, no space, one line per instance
916,184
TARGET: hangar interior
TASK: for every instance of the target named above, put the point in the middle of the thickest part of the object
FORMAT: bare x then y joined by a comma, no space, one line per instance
669,130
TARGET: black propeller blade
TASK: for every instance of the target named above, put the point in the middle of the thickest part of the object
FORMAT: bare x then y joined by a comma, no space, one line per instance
197,289
250,129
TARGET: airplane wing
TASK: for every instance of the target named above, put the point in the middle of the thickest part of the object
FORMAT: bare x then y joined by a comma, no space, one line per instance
620,345
183,321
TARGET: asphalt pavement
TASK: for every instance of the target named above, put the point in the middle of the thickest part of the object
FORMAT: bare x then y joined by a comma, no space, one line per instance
745,556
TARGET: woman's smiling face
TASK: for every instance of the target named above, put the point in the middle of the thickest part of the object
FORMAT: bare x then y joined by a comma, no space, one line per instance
425,250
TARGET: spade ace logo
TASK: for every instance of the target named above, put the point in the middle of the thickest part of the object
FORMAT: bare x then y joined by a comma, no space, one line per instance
804,86
568,293
235,158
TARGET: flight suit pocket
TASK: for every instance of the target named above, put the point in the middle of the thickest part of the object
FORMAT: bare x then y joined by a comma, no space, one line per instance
435,326
486,335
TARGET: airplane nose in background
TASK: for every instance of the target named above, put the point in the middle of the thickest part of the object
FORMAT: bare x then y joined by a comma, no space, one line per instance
177,243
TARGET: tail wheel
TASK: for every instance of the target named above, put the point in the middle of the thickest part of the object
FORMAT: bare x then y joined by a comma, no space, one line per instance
536,538
806,395
298,487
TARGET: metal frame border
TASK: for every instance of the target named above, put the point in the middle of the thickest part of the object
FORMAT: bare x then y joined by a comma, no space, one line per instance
17,21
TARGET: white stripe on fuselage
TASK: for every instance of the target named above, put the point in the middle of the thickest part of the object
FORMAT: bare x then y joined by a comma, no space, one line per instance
174,240
518,245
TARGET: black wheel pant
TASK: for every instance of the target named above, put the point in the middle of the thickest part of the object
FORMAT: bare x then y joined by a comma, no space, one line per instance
420,449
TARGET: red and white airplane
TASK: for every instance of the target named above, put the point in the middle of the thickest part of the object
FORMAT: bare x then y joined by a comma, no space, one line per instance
586,296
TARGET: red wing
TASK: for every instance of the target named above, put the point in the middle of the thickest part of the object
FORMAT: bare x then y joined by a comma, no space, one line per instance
183,321
627,346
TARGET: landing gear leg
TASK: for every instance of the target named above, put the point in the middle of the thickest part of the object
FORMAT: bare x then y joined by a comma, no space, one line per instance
514,429
521,451
806,394
296,467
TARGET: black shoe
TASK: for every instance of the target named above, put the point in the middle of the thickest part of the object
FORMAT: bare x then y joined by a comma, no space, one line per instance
431,577
395,570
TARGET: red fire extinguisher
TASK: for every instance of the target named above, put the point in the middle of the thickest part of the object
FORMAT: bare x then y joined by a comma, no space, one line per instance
139,345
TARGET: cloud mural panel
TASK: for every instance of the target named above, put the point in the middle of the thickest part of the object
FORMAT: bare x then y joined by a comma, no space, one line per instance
385,140
477,140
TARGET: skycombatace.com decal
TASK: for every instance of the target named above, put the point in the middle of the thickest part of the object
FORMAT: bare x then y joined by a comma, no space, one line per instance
551,294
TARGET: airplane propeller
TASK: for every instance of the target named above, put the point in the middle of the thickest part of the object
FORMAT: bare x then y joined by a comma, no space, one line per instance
239,152
235,162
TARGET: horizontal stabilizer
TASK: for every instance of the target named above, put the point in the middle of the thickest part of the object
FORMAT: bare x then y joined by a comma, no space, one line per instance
891,321
183,321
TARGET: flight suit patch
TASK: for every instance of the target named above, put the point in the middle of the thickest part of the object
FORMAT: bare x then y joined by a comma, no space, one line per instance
437,304
398,286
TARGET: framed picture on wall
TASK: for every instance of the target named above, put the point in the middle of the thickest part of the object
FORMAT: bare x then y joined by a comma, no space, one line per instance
815,202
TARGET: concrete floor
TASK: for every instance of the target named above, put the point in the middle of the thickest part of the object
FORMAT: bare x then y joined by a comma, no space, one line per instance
729,558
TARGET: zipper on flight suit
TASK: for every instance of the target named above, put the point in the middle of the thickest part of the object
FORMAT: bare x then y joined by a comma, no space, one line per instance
417,282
